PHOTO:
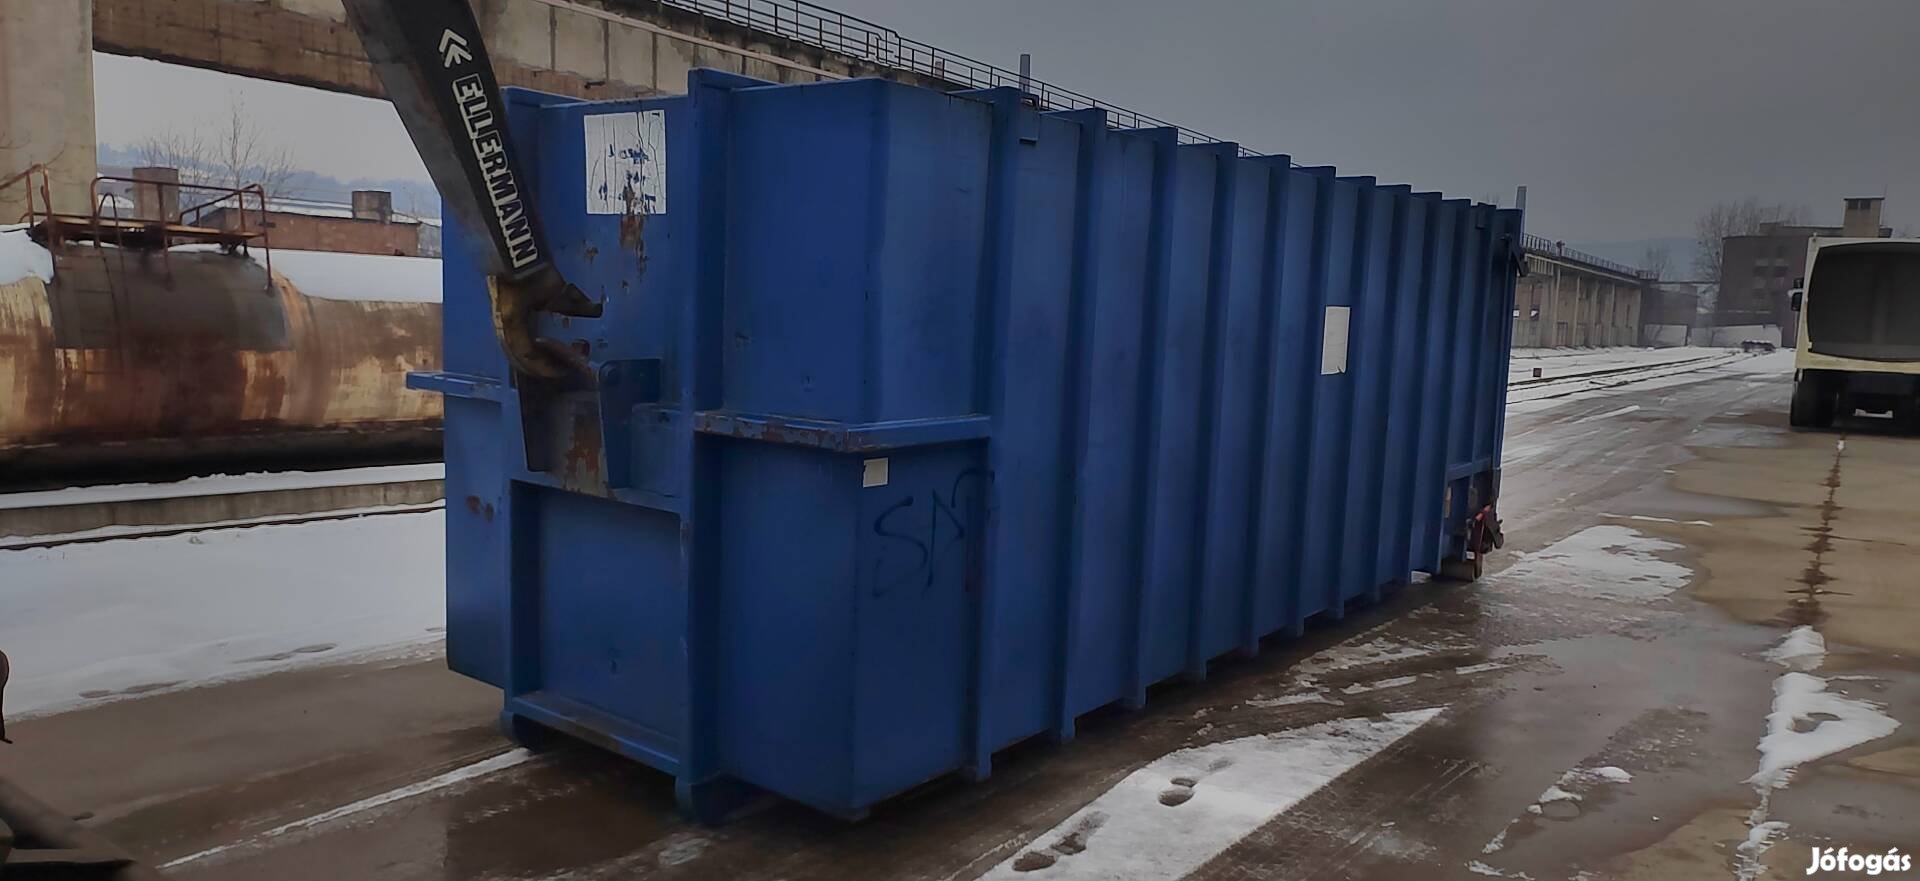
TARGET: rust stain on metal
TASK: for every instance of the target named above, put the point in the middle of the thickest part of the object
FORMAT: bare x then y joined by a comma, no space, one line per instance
115,355
476,506
633,226
581,467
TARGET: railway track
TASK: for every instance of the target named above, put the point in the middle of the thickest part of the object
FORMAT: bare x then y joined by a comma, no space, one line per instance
1545,388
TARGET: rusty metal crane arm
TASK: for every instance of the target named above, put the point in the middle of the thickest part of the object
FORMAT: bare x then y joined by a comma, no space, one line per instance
429,56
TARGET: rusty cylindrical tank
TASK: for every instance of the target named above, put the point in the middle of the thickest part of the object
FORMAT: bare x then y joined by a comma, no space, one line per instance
145,363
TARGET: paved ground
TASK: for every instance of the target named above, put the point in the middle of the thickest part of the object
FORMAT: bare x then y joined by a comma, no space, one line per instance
1614,702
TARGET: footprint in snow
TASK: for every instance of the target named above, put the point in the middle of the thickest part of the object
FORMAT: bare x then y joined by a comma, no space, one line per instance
1181,790
1072,842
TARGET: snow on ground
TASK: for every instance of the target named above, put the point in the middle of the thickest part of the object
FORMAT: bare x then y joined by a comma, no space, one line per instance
21,256
1556,363
1166,819
1837,723
155,530
222,485
1746,859
1537,396
1565,792
118,618
1622,411
1804,649
1807,723
1603,774
331,276
1369,653
323,274
1608,561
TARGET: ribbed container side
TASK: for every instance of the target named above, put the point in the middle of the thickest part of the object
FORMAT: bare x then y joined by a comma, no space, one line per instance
959,420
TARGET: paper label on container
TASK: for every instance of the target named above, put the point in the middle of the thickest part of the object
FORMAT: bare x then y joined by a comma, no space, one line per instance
627,162
873,473
1333,340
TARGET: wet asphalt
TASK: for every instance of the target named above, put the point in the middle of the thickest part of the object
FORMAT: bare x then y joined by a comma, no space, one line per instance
1662,538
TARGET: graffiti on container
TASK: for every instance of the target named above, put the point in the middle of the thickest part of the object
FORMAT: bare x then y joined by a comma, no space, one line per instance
928,536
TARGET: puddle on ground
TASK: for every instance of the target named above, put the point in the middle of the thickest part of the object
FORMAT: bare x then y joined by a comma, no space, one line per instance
1837,546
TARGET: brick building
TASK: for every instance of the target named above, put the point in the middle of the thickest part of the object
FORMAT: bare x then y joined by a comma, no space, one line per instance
1758,271
368,226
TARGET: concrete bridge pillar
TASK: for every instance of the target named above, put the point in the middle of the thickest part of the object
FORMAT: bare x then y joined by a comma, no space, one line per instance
46,101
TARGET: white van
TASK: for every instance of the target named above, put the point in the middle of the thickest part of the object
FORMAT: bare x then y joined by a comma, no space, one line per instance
1859,315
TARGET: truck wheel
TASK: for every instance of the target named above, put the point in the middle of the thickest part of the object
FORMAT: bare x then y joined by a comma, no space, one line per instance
1812,403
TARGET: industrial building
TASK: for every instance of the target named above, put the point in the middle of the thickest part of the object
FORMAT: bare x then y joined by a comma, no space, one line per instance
1757,272
1573,299
364,223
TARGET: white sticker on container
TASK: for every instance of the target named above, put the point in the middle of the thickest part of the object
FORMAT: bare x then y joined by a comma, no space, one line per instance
874,473
1333,340
627,162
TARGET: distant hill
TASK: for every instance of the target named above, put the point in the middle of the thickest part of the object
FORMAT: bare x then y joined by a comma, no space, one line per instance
416,197
1634,253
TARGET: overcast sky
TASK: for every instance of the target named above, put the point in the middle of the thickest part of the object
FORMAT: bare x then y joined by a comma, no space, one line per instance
1624,117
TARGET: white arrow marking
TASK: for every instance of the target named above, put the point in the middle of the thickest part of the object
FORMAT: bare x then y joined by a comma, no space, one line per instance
462,774
453,48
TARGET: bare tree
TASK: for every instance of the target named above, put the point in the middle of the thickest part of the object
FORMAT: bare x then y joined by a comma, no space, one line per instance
1742,218
1658,260
230,152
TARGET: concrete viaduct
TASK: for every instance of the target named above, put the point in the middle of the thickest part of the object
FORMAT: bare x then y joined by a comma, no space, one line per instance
616,48
598,49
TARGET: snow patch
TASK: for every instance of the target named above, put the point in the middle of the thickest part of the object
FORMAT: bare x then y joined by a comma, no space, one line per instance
1479,868
1837,723
120,531
223,484
1804,649
128,617
331,276
21,256
1393,682
1486,667
1608,415
1555,793
1498,841
1644,518
1286,700
682,848
1570,788
1613,562
1371,653
1746,859
1606,774
1168,818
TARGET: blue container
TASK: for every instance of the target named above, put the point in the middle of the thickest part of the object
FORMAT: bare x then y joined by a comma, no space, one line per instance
928,422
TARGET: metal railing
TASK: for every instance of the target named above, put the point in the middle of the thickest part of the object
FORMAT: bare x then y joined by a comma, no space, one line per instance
862,40
26,179
1551,248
